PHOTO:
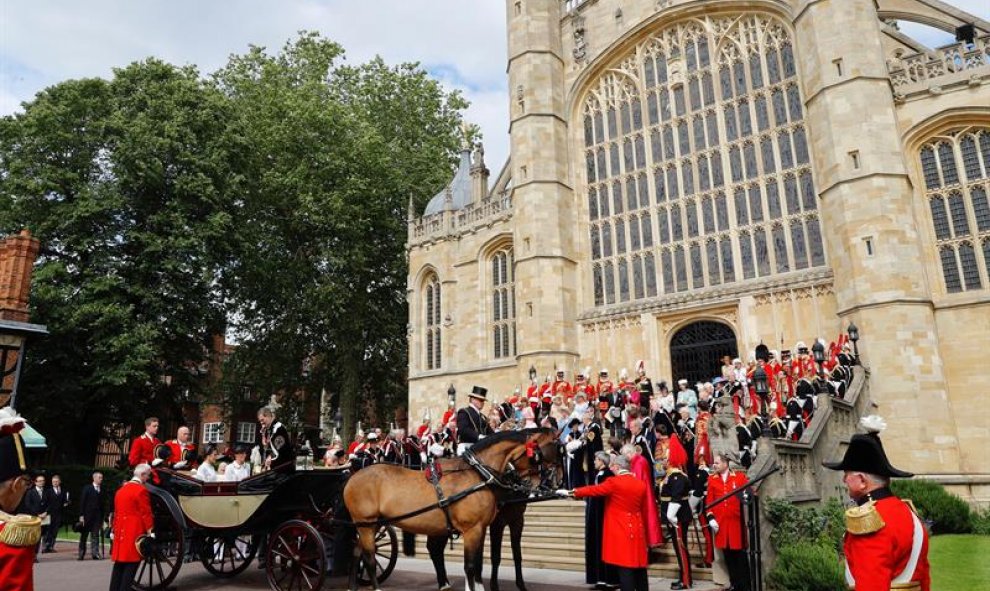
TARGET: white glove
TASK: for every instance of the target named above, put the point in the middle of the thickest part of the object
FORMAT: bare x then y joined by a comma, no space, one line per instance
563,492
180,465
436,450
573,445
713,525
156,461
672,510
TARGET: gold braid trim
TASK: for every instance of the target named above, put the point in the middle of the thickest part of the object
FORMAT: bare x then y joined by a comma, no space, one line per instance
20,531
864,519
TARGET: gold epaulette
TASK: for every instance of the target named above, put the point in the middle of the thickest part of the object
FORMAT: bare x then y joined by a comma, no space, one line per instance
20,531
864,519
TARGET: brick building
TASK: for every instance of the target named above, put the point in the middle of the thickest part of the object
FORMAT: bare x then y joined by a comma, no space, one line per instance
17,256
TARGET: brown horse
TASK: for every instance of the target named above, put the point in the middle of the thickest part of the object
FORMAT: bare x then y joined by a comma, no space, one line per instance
385,492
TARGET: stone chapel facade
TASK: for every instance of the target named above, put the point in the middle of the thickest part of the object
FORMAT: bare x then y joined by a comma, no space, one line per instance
695,177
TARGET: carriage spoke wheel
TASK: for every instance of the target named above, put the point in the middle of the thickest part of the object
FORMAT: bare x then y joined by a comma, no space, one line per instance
386,554
159,568
228,555
296,557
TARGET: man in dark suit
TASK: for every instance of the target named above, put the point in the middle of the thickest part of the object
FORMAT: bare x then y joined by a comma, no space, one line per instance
472,425
91,503
36,502
58,500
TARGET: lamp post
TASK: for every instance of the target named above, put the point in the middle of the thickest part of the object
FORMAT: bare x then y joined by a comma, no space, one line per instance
451,396
762,388
818,352
853,333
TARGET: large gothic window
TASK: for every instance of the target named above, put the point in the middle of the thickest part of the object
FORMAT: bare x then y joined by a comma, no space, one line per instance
503,305
956,172
697,162
431,310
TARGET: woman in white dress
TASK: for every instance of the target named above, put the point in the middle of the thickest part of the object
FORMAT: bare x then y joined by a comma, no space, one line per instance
239,469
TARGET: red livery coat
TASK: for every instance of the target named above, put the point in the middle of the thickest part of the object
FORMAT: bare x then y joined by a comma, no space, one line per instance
177,448
624,530
874,560
131,518
16,567
728,514
143,450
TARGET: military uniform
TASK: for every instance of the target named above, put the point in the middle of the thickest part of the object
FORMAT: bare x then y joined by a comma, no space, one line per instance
727,518
19,534
675,509
886,545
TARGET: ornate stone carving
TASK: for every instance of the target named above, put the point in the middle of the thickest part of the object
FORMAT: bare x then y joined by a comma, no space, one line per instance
580,51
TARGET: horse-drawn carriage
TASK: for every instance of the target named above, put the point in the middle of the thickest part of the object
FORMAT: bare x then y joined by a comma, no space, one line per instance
297,521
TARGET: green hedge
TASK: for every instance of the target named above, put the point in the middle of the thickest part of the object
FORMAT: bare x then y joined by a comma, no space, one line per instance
981,522
947,513
75,476
807,566
823,525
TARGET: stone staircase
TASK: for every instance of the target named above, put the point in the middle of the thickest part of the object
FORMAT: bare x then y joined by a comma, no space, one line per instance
553,538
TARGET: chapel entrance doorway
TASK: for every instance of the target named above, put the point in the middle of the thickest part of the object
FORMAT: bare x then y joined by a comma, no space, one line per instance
696,351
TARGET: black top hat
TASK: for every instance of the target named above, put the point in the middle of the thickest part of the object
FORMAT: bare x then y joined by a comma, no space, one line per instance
865,453
479,392
162,452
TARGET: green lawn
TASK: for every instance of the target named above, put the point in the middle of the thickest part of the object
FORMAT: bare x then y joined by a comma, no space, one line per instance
959,562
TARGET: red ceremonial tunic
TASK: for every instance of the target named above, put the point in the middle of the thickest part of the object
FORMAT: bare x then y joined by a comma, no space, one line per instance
874,560
728,514
177,448
16,567
142,450
131,518
624,529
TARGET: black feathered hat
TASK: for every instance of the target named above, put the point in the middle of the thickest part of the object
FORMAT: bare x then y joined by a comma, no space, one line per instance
865,452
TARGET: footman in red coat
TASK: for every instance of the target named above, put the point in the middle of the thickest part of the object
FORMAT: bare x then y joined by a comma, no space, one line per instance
132,519
624,531
725,520
886,545
19,534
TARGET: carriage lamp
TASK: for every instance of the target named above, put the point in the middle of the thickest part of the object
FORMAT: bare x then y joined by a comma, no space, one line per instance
532,373
338,421
818,350
451,395
853,333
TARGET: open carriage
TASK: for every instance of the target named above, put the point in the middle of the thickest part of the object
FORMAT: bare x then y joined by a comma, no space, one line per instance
297,521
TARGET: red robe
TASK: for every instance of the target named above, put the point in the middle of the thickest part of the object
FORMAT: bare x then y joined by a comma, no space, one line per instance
624,534
728,513
16,566
702,445
131,518
874,560
142,450
640,467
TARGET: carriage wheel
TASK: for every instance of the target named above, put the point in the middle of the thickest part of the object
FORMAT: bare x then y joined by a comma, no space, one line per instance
226,556
296,557
386,554
159,568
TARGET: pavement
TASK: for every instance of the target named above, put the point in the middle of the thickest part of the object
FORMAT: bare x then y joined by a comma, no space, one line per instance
60,571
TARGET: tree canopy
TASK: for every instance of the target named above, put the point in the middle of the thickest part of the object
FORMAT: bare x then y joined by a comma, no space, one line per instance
268,199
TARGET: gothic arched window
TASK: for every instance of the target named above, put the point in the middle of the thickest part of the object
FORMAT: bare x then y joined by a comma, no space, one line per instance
503,305
956,170
431,309
703,127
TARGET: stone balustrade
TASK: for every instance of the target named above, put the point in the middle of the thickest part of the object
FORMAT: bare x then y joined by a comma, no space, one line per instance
485,212
960,63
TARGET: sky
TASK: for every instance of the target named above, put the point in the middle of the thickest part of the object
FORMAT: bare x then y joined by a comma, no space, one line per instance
460,42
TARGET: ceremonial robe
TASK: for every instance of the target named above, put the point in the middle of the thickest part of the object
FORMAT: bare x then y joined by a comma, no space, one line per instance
624,539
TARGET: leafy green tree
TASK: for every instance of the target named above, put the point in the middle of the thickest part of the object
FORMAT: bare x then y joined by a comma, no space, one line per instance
127,183
336,151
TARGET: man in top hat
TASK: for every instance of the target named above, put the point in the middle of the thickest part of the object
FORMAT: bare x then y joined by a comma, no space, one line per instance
19,534
143,447
472,425
886,545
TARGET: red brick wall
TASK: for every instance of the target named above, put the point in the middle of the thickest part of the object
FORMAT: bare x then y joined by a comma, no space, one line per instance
17,255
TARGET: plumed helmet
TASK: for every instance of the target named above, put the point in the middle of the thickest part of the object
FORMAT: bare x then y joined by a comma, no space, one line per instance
640,366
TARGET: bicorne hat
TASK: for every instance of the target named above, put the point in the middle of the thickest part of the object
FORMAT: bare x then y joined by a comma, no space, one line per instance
479,393
12,459
865,452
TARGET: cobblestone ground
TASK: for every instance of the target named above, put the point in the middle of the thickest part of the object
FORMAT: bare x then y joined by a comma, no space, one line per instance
60,571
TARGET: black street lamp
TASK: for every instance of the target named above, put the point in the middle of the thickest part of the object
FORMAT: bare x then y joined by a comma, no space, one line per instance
532,373
761,386
853,333
818,353
451,396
